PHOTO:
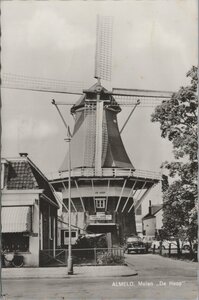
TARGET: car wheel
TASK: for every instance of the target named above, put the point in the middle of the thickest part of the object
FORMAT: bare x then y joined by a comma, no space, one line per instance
128,252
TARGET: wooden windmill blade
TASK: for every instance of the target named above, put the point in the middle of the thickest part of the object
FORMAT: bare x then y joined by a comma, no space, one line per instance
141,93
38,84
147,98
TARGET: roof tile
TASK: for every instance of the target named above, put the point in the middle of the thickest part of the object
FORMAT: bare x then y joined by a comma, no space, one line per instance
20,176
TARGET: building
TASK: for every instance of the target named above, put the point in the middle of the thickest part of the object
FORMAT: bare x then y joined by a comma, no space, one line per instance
152,222
28,211
106,190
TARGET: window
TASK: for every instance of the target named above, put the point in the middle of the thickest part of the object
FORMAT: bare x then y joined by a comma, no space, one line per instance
15,242
73,234
100,203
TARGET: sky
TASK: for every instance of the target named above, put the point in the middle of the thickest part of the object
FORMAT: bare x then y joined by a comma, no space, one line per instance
154,45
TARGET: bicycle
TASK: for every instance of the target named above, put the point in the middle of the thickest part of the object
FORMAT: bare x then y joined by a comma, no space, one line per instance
12,260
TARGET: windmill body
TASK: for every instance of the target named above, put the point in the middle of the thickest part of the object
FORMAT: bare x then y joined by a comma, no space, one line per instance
96,141
106,191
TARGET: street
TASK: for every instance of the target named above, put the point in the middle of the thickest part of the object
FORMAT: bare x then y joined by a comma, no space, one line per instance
158,278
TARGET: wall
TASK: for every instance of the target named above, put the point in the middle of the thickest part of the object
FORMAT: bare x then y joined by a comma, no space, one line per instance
159,216
149,225
33,259
48,211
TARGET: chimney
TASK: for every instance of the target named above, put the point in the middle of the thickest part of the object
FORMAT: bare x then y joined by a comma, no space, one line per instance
150,207
23,154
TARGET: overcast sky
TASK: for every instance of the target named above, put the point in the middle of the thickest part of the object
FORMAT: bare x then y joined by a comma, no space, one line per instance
154,45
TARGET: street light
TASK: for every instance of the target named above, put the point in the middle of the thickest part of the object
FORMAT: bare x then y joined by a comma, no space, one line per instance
70,261
68,139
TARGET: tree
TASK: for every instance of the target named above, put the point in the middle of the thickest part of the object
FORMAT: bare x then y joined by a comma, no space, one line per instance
178,124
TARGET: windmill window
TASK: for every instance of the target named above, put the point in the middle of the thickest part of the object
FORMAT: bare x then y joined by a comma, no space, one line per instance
100,203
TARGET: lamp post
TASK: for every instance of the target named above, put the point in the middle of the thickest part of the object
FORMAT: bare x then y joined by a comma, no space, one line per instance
70,261
68,139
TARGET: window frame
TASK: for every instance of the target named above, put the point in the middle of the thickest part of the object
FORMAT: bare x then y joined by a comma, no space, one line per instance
100,203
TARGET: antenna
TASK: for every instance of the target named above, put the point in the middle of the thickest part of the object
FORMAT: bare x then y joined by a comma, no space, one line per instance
103,55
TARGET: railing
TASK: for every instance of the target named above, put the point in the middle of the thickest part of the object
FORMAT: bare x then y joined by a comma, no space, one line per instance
87,256
105,172
147,174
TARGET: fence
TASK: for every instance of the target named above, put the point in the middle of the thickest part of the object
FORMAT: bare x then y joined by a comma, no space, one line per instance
87,256
175,252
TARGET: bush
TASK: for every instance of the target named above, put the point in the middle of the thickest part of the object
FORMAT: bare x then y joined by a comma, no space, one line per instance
91,241
108,258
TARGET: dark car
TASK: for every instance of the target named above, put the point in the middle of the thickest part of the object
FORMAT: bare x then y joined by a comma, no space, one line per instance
135,244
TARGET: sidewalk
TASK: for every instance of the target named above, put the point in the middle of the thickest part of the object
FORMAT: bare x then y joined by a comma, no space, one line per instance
61,272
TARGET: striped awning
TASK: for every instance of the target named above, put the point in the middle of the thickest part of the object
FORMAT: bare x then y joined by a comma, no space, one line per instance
16,219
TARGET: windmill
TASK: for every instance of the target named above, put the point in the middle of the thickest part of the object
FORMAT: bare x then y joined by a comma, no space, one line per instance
106,190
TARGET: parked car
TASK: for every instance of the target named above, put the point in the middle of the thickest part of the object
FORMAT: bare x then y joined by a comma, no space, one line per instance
184,245
148,240
135,244
155,244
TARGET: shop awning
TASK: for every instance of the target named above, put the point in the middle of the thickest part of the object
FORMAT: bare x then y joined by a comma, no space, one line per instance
16,219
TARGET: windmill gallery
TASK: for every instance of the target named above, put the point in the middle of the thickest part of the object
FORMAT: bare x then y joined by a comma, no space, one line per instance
97,189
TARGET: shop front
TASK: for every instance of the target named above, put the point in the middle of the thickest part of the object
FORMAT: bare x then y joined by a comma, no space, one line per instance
28,212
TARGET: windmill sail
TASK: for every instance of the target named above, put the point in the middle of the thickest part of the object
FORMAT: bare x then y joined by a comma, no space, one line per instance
141,93
23,82
103,55
147,98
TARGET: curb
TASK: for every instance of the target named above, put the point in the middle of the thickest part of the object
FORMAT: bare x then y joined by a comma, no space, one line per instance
77,274
70,276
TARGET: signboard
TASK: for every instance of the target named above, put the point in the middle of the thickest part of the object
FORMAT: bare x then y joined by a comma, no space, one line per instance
100,217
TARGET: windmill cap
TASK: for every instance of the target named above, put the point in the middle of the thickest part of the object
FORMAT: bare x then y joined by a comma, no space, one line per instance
91,94
23,154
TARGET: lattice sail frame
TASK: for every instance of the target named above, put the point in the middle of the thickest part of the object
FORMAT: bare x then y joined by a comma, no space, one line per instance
103,54
23,82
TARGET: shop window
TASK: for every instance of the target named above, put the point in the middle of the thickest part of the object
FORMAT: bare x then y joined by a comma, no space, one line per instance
15,242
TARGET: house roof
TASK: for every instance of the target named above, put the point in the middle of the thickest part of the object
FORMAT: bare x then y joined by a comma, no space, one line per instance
22,174
154,210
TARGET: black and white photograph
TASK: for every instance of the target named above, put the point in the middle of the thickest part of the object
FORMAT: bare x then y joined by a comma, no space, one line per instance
99,169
